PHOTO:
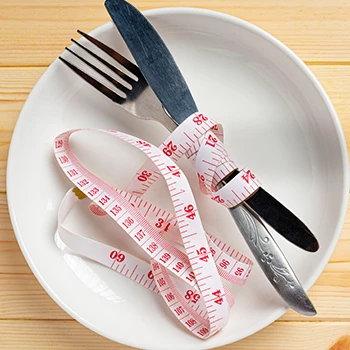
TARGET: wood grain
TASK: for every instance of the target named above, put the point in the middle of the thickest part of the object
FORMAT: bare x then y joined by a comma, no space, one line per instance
22,297
34,32
342,343
317,30
70,335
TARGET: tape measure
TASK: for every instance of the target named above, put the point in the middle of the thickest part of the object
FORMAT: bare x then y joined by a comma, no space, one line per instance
187,277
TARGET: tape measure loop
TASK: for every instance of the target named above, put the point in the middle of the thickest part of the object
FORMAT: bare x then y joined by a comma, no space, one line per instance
196,295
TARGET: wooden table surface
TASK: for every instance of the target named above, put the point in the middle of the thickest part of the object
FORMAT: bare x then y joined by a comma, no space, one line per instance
34,32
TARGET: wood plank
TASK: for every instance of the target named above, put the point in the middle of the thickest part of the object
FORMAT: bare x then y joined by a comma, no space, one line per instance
330,295
9,111
22,297
12,260
317,30
16,83
70,335
34,33
6,231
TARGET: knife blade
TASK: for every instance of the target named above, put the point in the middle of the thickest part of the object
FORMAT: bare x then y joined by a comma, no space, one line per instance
166,80
281,219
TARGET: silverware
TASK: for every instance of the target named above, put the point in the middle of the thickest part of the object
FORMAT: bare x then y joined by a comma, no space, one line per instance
139,99
165,79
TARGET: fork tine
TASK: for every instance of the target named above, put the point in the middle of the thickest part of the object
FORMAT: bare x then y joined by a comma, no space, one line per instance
99,86
131,67
114,69
99,71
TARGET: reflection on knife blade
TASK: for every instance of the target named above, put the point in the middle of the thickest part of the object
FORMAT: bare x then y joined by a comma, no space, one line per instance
281,219
164,77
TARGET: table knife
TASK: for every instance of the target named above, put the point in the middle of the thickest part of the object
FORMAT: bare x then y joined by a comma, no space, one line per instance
166,80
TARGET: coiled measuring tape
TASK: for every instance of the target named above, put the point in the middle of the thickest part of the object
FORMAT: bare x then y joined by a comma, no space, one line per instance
188,279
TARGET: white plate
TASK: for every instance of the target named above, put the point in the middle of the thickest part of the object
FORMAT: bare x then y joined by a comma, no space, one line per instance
278,120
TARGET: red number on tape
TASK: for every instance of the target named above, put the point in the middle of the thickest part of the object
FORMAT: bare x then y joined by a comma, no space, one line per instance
115,210
203,331
165,257
156,266
104,200
144,176
192,213
161,282
140,235
179,265
116,256
160,223
190,276
179,310
58,144
191,322
211,140
94,191
247,176
72,172
200,177
169,149
172,168
199,119
218,199
152,247
239,271
143,143
224,263
63,159
219,299
192,296
128,222
202,252
169,297
83,183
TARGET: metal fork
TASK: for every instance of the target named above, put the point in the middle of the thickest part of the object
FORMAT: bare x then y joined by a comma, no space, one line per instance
133,94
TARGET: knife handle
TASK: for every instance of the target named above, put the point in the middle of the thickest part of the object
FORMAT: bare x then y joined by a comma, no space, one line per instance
271,260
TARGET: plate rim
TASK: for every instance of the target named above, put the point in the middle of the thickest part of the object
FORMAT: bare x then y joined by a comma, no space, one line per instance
344,156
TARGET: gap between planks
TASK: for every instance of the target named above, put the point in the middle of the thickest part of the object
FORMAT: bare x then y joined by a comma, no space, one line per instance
308,63
329,320
72,335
